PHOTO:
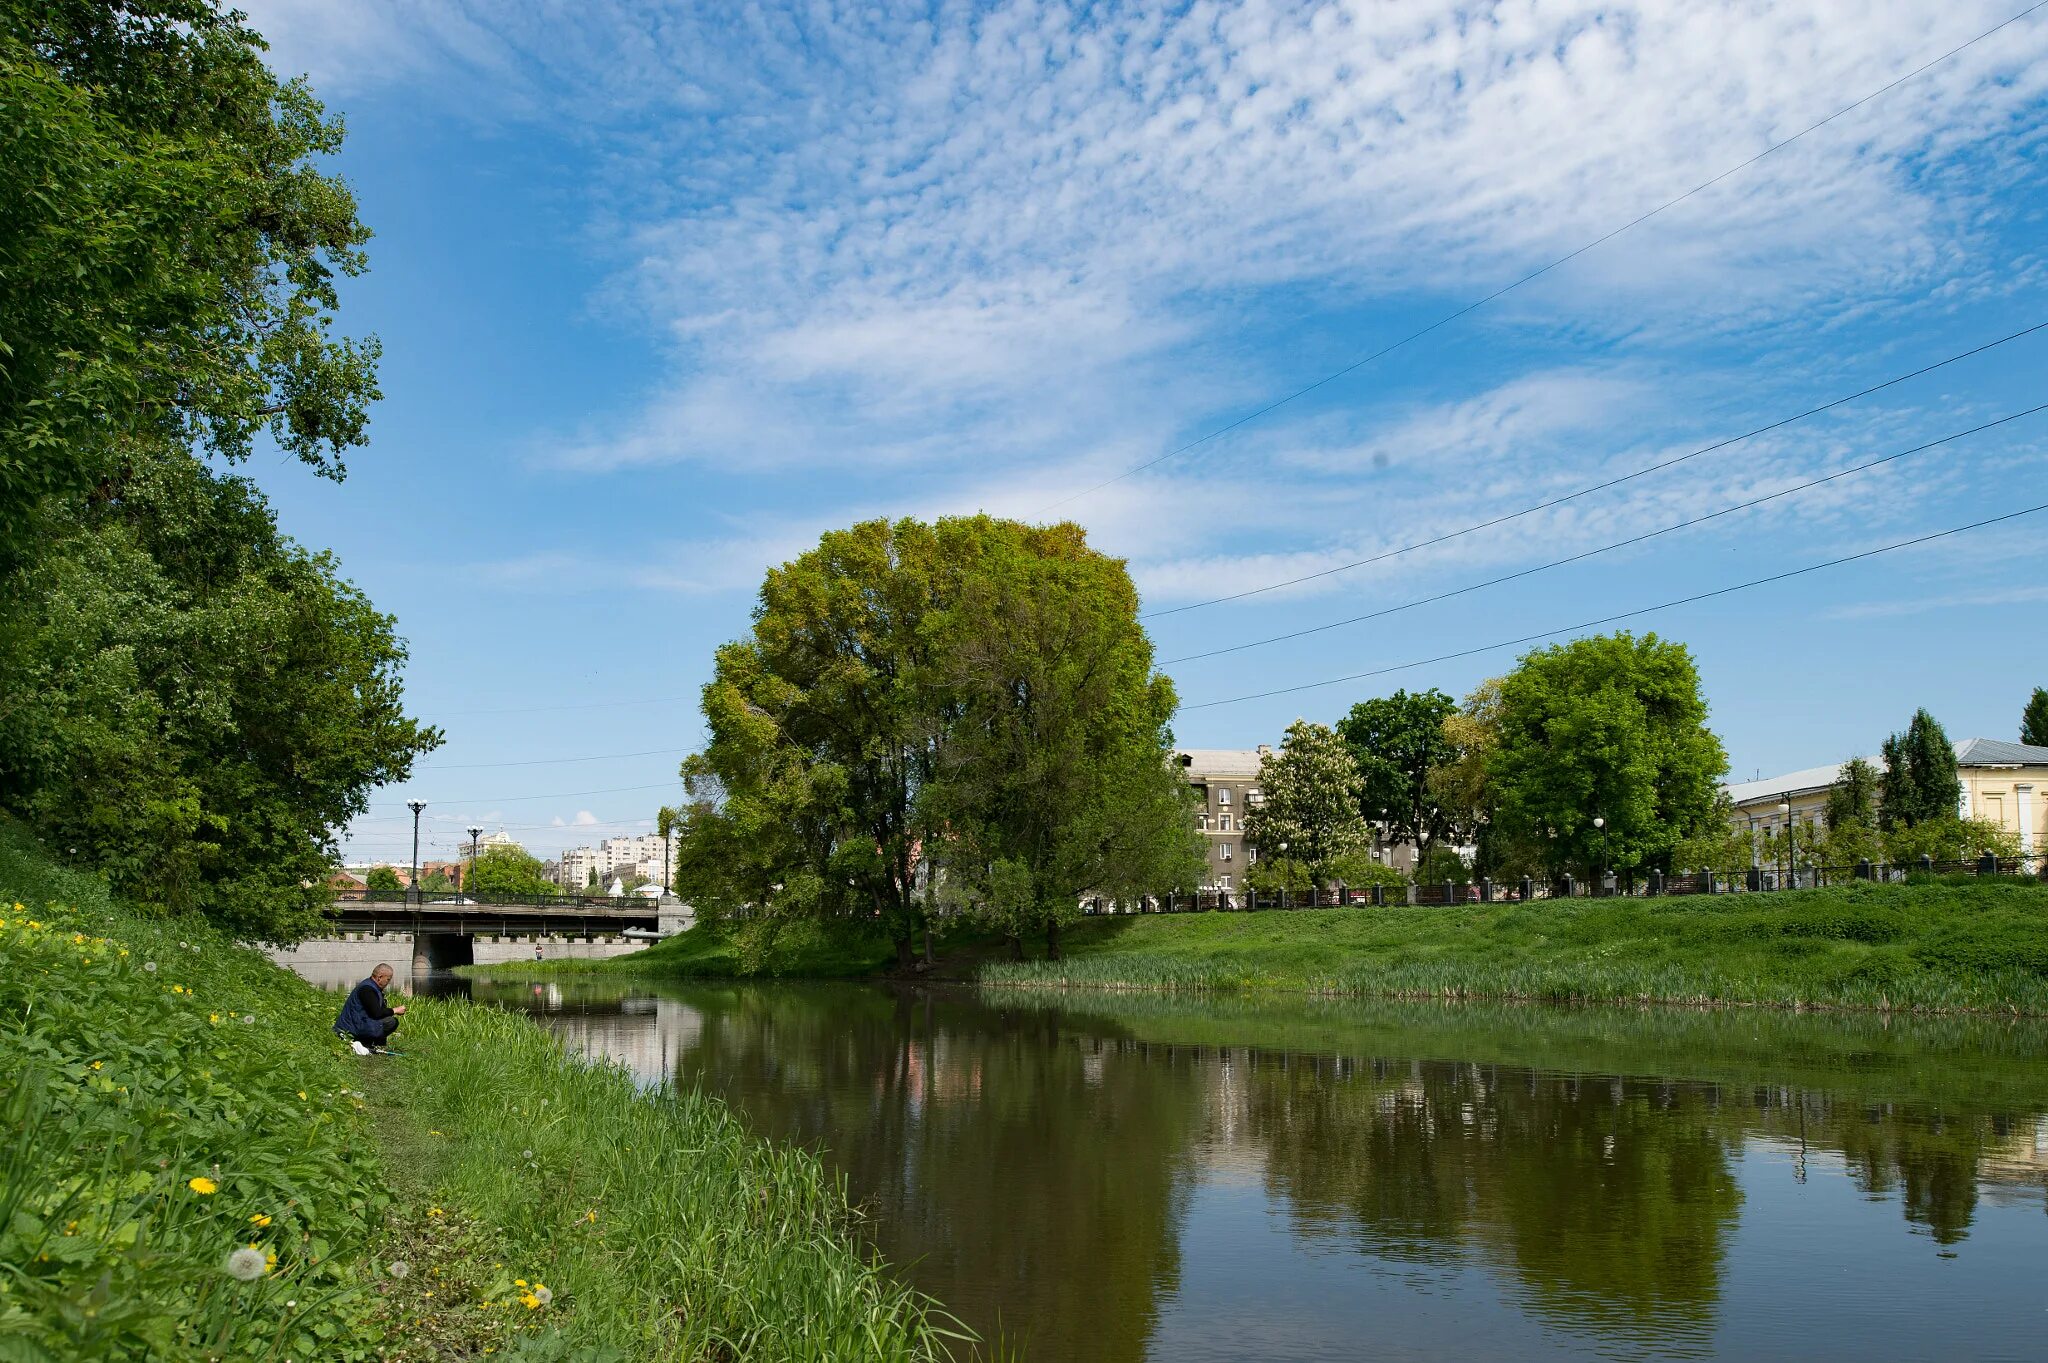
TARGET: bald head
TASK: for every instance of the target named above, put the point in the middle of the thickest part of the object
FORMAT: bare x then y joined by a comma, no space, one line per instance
382,974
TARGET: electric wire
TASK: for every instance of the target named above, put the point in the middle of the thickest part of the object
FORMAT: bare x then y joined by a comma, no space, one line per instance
1591,488
1538,273
1607,548
1623,615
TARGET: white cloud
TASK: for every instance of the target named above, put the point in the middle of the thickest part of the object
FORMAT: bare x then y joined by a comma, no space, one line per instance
584,818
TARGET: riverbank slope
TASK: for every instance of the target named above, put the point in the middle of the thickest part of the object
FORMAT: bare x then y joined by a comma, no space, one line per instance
1944,945
209,1172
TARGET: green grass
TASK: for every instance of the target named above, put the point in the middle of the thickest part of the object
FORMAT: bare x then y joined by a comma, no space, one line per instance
1944,944
145,1054
1933,947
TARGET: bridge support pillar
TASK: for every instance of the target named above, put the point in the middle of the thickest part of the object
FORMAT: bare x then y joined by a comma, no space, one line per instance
433,951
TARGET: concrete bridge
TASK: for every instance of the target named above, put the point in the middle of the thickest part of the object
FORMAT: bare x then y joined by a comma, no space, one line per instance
444,928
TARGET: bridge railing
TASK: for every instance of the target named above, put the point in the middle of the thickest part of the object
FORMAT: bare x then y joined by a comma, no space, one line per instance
448,899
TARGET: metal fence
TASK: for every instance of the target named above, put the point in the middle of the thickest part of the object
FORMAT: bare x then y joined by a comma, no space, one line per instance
432,899
1613,885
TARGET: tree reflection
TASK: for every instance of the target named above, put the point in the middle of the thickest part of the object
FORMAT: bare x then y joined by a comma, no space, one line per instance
1032,1178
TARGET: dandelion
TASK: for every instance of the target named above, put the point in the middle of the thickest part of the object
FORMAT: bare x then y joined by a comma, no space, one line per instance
213,1017
398,1268
245,1265
96,1064
302,1095
150,966
541,1293
434,1211
526,1154
259,1219
202,1185
248,1018
528,1300
519,1282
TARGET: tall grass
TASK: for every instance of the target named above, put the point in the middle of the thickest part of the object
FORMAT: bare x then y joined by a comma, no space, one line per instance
169,1098
661,1227
1973,946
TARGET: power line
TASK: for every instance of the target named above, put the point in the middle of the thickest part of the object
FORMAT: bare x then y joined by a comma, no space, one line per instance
1605,548
1591,488
581,705
1623,615
1538,273
553,761
510,799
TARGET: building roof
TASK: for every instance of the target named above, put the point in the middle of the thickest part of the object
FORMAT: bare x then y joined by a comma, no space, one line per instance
1221,761
1791,783
1970,752
1996,752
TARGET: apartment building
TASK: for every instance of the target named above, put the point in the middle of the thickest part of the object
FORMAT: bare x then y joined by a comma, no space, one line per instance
1227,779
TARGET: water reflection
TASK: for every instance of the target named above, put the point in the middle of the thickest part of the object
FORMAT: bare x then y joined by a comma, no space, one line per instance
1109,1179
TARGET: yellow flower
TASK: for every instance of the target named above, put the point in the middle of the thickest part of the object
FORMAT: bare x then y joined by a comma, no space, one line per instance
202,1185
259,1219
213,1017
95,1064
519,1282
528,1300
434,1211
302,1095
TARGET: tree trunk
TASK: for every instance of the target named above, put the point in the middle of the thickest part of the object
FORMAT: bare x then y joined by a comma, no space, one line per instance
904,958
1052,939
1016,947
927,941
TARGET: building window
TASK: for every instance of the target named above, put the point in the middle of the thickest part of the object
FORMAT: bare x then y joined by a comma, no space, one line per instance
1223,822
1223,882
1251,853
1223,796
1202,822
1226,850
1255,797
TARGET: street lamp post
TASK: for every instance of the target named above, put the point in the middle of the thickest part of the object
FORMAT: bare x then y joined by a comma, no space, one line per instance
470,883
413,889
1600,827
1785,808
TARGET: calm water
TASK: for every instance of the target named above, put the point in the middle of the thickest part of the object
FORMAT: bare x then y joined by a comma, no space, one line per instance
1105,1178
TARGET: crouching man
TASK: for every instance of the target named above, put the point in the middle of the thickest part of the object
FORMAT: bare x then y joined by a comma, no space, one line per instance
366,1021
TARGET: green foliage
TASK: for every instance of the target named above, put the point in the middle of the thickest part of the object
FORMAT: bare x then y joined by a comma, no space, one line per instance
1054,779
972,698
143,1055
1361,872
383,878
170,244
1919,781
1610,726
1949,838
1441,863
2034,719
195,703
509,871
1399,743
1853,797
1309,810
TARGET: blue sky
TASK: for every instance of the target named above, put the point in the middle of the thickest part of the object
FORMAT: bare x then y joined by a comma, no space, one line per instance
665,292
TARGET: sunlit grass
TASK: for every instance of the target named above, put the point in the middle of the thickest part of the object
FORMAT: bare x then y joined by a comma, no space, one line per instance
1933,947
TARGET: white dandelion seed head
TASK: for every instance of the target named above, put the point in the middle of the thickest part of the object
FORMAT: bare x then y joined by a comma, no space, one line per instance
544,1295
248,1017
398,1268
526,1154
150,966
245,1265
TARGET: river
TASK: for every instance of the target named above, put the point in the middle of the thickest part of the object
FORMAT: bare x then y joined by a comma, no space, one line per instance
1101,1178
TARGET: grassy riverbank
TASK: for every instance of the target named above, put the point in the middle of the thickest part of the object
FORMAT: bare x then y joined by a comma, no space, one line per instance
184,1099
1963,945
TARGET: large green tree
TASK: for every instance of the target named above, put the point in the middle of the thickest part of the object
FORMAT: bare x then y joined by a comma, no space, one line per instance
1611,727
1919,781
973,695
1308,810
1398,741
1055,778
2034,719
194,703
